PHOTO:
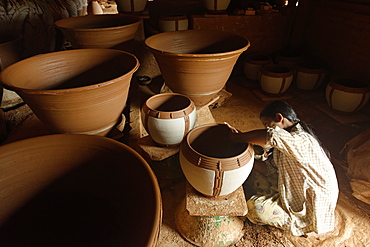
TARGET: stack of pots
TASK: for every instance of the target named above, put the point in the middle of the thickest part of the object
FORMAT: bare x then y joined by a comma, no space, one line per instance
82,91
347,95
168,117
213,164
196,63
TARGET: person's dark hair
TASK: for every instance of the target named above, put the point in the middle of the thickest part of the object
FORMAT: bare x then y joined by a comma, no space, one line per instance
279,106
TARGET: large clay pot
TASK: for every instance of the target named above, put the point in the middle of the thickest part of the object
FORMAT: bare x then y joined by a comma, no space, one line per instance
275,79
77,190
213,164
253,65
168,117
196,63
347,95
310,75
80,91
99,31
173,23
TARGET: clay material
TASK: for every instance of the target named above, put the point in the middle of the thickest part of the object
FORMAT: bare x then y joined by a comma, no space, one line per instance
168,117
347,95
99,31
80,91
213,164
310,75
196,63
275,79
77,190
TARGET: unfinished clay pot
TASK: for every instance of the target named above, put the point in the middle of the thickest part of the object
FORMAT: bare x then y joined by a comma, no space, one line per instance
81,91
253,65
347,95
310,75
213,164
196,63
275,79
99,31
173,23
168,117
77,190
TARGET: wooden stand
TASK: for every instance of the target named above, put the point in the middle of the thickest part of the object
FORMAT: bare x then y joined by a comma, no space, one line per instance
211,222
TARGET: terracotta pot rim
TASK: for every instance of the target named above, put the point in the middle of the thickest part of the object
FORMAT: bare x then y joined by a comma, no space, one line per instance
205,157
76,89
59,23
335,84
17,37
166,114
192,55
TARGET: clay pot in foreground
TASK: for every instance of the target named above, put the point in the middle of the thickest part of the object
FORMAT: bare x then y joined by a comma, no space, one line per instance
253,65
168,117
213,164
275,79
81,91
196,63
310,75
99,31
347,95
77,190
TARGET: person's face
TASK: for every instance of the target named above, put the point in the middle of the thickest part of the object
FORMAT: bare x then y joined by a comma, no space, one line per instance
272,122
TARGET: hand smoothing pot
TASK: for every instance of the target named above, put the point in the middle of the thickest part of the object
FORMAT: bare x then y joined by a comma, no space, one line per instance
213,164
168,117
77,190
196,63
81,91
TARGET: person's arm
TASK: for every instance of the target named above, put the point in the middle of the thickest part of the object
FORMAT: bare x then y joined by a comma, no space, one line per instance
258,137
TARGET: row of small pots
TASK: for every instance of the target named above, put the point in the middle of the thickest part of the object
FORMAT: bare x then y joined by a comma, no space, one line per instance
342,94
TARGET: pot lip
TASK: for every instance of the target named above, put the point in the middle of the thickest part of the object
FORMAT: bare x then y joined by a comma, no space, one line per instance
166,114
67,90
97,140
186,140
58,22
189,55
335,84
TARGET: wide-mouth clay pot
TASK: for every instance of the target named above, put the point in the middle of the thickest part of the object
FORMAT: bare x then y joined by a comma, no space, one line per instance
275,79
77,190
196,63
347,95
310,75
168,117
290,58
10,49
99,31
212,163
82,91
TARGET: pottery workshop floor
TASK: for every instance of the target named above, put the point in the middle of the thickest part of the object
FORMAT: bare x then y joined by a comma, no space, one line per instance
242,110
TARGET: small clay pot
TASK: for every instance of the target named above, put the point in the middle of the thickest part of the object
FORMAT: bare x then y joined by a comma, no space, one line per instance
173,23
275,79
196,63
310,75
68,190
290,58
347,95
168,117
99,31
81,91
213,164
253,65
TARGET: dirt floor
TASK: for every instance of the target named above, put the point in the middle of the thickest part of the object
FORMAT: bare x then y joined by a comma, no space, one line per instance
241,110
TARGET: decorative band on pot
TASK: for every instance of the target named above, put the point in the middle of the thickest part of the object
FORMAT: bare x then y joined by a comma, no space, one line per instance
347,95
253,65
275,79
168,117
310,75
213,164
